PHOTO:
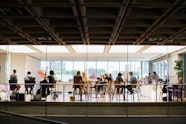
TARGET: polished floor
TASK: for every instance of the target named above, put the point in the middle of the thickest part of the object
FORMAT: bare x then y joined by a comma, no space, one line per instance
144,93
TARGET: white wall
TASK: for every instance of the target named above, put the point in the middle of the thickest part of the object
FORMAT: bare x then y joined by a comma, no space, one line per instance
171,60
23,64
33,65
18,62
173,76
2,68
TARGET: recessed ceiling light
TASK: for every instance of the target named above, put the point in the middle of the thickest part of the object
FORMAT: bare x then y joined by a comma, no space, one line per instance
88,48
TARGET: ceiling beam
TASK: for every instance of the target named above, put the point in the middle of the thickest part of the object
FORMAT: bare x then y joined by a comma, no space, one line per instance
180,32
80,12
159,22
19,32
8,41
120,21
43,23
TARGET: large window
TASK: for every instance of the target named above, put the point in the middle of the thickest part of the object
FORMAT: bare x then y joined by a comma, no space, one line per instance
57,68
113,69
161,68
65,70
79,66
145,69
91,70
101,67
45,66
135,67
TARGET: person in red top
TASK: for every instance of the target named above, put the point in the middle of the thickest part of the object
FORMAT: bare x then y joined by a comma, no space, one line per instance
78,81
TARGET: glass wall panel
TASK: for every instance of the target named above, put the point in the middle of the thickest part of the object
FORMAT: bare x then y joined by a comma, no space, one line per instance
113,68
93,64
56,66
135,67
145,69
123,66
67,71
45,66
91,70
79,66
101,67
161,68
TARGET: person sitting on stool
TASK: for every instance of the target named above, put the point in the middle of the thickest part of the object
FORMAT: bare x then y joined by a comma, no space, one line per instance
29,82
132,81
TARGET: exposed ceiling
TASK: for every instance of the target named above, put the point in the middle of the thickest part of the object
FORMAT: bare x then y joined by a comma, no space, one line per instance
108,22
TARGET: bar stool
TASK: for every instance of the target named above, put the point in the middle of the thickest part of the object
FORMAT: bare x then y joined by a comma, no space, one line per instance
118,89
136,90
93,90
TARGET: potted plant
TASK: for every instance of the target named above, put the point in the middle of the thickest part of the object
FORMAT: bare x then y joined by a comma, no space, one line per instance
179,70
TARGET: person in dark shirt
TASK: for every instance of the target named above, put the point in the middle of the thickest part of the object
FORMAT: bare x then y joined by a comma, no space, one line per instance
118,82
110,78
51,81
13,82
29,82
13,77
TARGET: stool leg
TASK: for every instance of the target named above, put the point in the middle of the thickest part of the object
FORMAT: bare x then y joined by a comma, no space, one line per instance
113,93
80,93
123,93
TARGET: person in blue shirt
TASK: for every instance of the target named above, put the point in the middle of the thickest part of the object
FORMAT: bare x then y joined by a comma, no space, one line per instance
132,82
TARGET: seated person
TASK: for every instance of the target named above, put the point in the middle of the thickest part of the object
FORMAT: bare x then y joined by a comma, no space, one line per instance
119,80
133,82
165,83
175,90
41,78
78,81
29,82
104,83
100,83
13,82
85,82
51,80
96,85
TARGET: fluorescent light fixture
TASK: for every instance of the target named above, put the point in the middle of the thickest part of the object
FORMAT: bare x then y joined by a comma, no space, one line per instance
174,48
88,48
17,49
125,48
3,47
51,49
162,49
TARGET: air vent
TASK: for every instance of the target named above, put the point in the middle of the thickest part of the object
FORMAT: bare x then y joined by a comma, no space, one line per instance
44,39
155,39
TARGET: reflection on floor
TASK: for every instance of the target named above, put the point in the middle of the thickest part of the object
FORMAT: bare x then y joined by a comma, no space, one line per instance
147,93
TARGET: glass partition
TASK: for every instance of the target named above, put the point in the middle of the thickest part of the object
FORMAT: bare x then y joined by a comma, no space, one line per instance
66,60
67,71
